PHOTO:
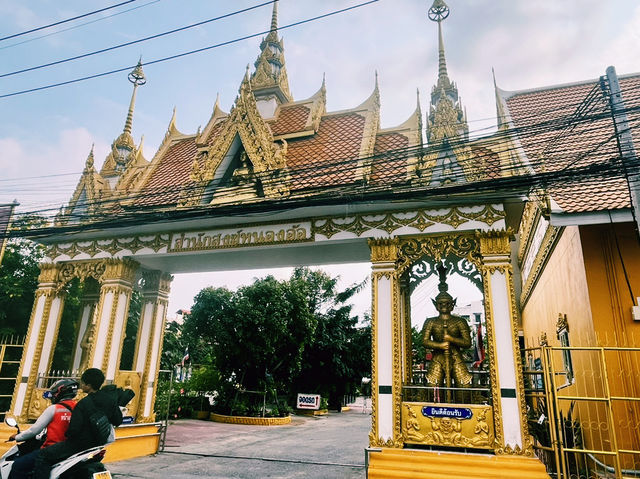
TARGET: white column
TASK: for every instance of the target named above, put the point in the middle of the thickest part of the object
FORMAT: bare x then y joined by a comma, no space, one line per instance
498,282
386,331
111,316
37,353
149,342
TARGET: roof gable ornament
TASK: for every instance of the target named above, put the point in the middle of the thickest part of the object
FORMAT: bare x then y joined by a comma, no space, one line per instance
85,201
265,159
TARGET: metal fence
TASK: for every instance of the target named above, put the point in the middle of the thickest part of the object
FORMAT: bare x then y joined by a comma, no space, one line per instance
10,356
583,407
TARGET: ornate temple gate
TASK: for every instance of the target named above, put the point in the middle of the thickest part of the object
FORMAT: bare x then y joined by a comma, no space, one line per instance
111,267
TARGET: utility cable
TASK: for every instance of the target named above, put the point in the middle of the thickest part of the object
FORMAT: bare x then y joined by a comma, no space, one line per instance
66,20
133,42
191,52
78,26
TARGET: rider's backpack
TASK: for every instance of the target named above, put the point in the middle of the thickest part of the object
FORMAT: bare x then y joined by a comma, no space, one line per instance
99,424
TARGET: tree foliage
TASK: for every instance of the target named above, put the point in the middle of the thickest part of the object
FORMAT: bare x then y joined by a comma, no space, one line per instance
290,336
18,282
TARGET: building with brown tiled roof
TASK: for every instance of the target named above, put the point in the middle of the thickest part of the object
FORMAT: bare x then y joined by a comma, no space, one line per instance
579,249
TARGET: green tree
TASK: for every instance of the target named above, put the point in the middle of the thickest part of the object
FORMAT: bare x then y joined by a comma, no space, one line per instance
418,348
131,331
173,346
279,335
18,282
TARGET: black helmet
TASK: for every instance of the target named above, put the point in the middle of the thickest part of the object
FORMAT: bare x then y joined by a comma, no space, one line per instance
61,390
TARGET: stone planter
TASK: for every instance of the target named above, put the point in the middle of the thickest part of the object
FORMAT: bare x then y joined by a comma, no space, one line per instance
251,421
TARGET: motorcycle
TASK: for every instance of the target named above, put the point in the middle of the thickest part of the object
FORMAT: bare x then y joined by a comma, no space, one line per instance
86,464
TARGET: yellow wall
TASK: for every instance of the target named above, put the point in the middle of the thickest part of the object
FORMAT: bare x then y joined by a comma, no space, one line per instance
610,298
561,288
606,249
585,280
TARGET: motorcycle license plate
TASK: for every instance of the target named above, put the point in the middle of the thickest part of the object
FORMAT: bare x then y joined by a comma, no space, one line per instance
102,475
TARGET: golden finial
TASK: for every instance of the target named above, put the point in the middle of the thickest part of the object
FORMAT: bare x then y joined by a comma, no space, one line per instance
137,78
274,16
438,12
89,163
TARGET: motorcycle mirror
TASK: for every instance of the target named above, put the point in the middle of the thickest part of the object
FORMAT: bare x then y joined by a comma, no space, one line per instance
11,421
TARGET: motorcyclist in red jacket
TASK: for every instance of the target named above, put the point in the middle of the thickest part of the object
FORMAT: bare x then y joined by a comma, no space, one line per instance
55,419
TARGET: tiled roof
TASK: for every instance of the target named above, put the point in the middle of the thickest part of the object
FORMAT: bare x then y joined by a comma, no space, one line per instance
486,161
328,157
290,120
170,174
557,133
392,166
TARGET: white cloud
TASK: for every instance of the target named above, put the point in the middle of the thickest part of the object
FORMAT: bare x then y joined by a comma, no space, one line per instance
21,159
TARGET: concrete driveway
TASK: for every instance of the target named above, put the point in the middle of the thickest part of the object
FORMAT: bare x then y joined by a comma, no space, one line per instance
328,447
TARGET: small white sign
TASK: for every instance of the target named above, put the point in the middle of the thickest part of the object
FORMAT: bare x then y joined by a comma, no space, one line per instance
308,401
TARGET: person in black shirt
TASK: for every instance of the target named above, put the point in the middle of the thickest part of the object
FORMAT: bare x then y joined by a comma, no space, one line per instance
80,434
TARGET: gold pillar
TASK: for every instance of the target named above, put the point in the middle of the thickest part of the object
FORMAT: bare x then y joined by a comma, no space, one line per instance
405,303
502,328
43,329
146,361
386,351
111,316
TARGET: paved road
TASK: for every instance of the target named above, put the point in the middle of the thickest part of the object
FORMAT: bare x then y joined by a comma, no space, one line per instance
326,447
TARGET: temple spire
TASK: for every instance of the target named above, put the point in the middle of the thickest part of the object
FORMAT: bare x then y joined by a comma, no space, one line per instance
123,149
446,116
443,77
269,80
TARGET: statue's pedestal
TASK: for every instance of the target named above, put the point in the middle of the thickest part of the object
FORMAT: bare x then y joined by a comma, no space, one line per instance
448,425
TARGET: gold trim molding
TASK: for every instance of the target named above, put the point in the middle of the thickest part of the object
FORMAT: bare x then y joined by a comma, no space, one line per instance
110,246
390,222
551,237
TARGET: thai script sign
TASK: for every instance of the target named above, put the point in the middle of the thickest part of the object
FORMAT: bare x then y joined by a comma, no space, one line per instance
308,401
453,412
238,237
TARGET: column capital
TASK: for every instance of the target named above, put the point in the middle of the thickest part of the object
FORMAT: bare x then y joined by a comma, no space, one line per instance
120,269
384,250
156,282
495,242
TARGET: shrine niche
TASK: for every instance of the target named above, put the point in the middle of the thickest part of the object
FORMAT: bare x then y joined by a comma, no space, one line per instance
454,396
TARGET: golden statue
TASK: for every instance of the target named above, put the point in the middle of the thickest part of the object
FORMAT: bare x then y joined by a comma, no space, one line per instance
447,335
85,345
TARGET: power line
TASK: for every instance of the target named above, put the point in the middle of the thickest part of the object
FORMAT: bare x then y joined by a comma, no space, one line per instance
66,20
191,52
78,26
133,42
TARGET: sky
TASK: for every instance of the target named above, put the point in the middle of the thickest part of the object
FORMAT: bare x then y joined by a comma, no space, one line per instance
45,136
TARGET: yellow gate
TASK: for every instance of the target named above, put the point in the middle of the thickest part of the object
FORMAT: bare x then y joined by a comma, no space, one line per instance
584,410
